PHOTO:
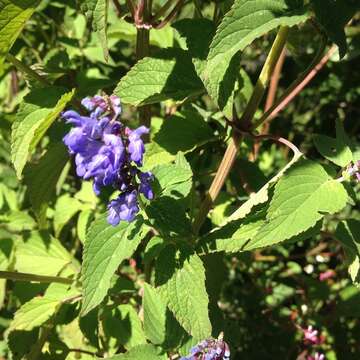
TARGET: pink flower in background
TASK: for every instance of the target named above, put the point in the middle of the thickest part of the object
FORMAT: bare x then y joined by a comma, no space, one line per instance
311,335
328,274
317,356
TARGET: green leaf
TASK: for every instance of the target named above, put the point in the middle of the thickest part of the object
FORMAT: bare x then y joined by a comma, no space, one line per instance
333,16
155,155
246,21
262,195
141,352
348,233
123,325
41,178
13,16
41,308
183,132
167,211
172,180
336,150
160,326
301,198
105,248
84,219
154,315
198,34
41,254
97,12
240,235
182,285
169,74
40,109
65,208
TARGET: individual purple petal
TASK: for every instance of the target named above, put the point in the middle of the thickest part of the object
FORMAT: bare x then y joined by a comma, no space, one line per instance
136,146
145,184
125,206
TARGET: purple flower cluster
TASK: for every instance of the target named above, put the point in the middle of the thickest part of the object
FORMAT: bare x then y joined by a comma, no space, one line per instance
210,349
109,154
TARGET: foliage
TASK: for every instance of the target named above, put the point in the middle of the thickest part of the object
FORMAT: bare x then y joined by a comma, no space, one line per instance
241,228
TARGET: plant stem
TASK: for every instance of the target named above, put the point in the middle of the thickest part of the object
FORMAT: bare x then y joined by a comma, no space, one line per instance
32,277
264,77
162,11
27,70
270,98
246,122
171,15
294,89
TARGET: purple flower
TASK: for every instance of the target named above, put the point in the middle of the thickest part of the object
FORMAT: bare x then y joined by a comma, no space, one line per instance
210,349
136,146
105,151
125,207
101,104
145,184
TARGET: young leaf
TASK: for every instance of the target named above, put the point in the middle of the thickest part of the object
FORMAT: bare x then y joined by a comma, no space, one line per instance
105,248
348,233
246,21
183,132
301,198
141,352
41,178
182,285
169,74
39,110
97,12
13,16
41,254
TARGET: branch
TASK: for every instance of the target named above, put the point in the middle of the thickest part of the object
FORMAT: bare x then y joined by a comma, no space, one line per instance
246,120
27,70
316,65
171,15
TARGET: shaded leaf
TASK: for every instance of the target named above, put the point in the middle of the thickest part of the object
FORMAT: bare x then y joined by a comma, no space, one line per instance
182,285
183,132
105,248
348,233
41,178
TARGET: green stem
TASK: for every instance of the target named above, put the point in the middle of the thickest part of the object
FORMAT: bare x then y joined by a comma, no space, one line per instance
27,70
162,11
297,85
264,77
18,276
246,122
